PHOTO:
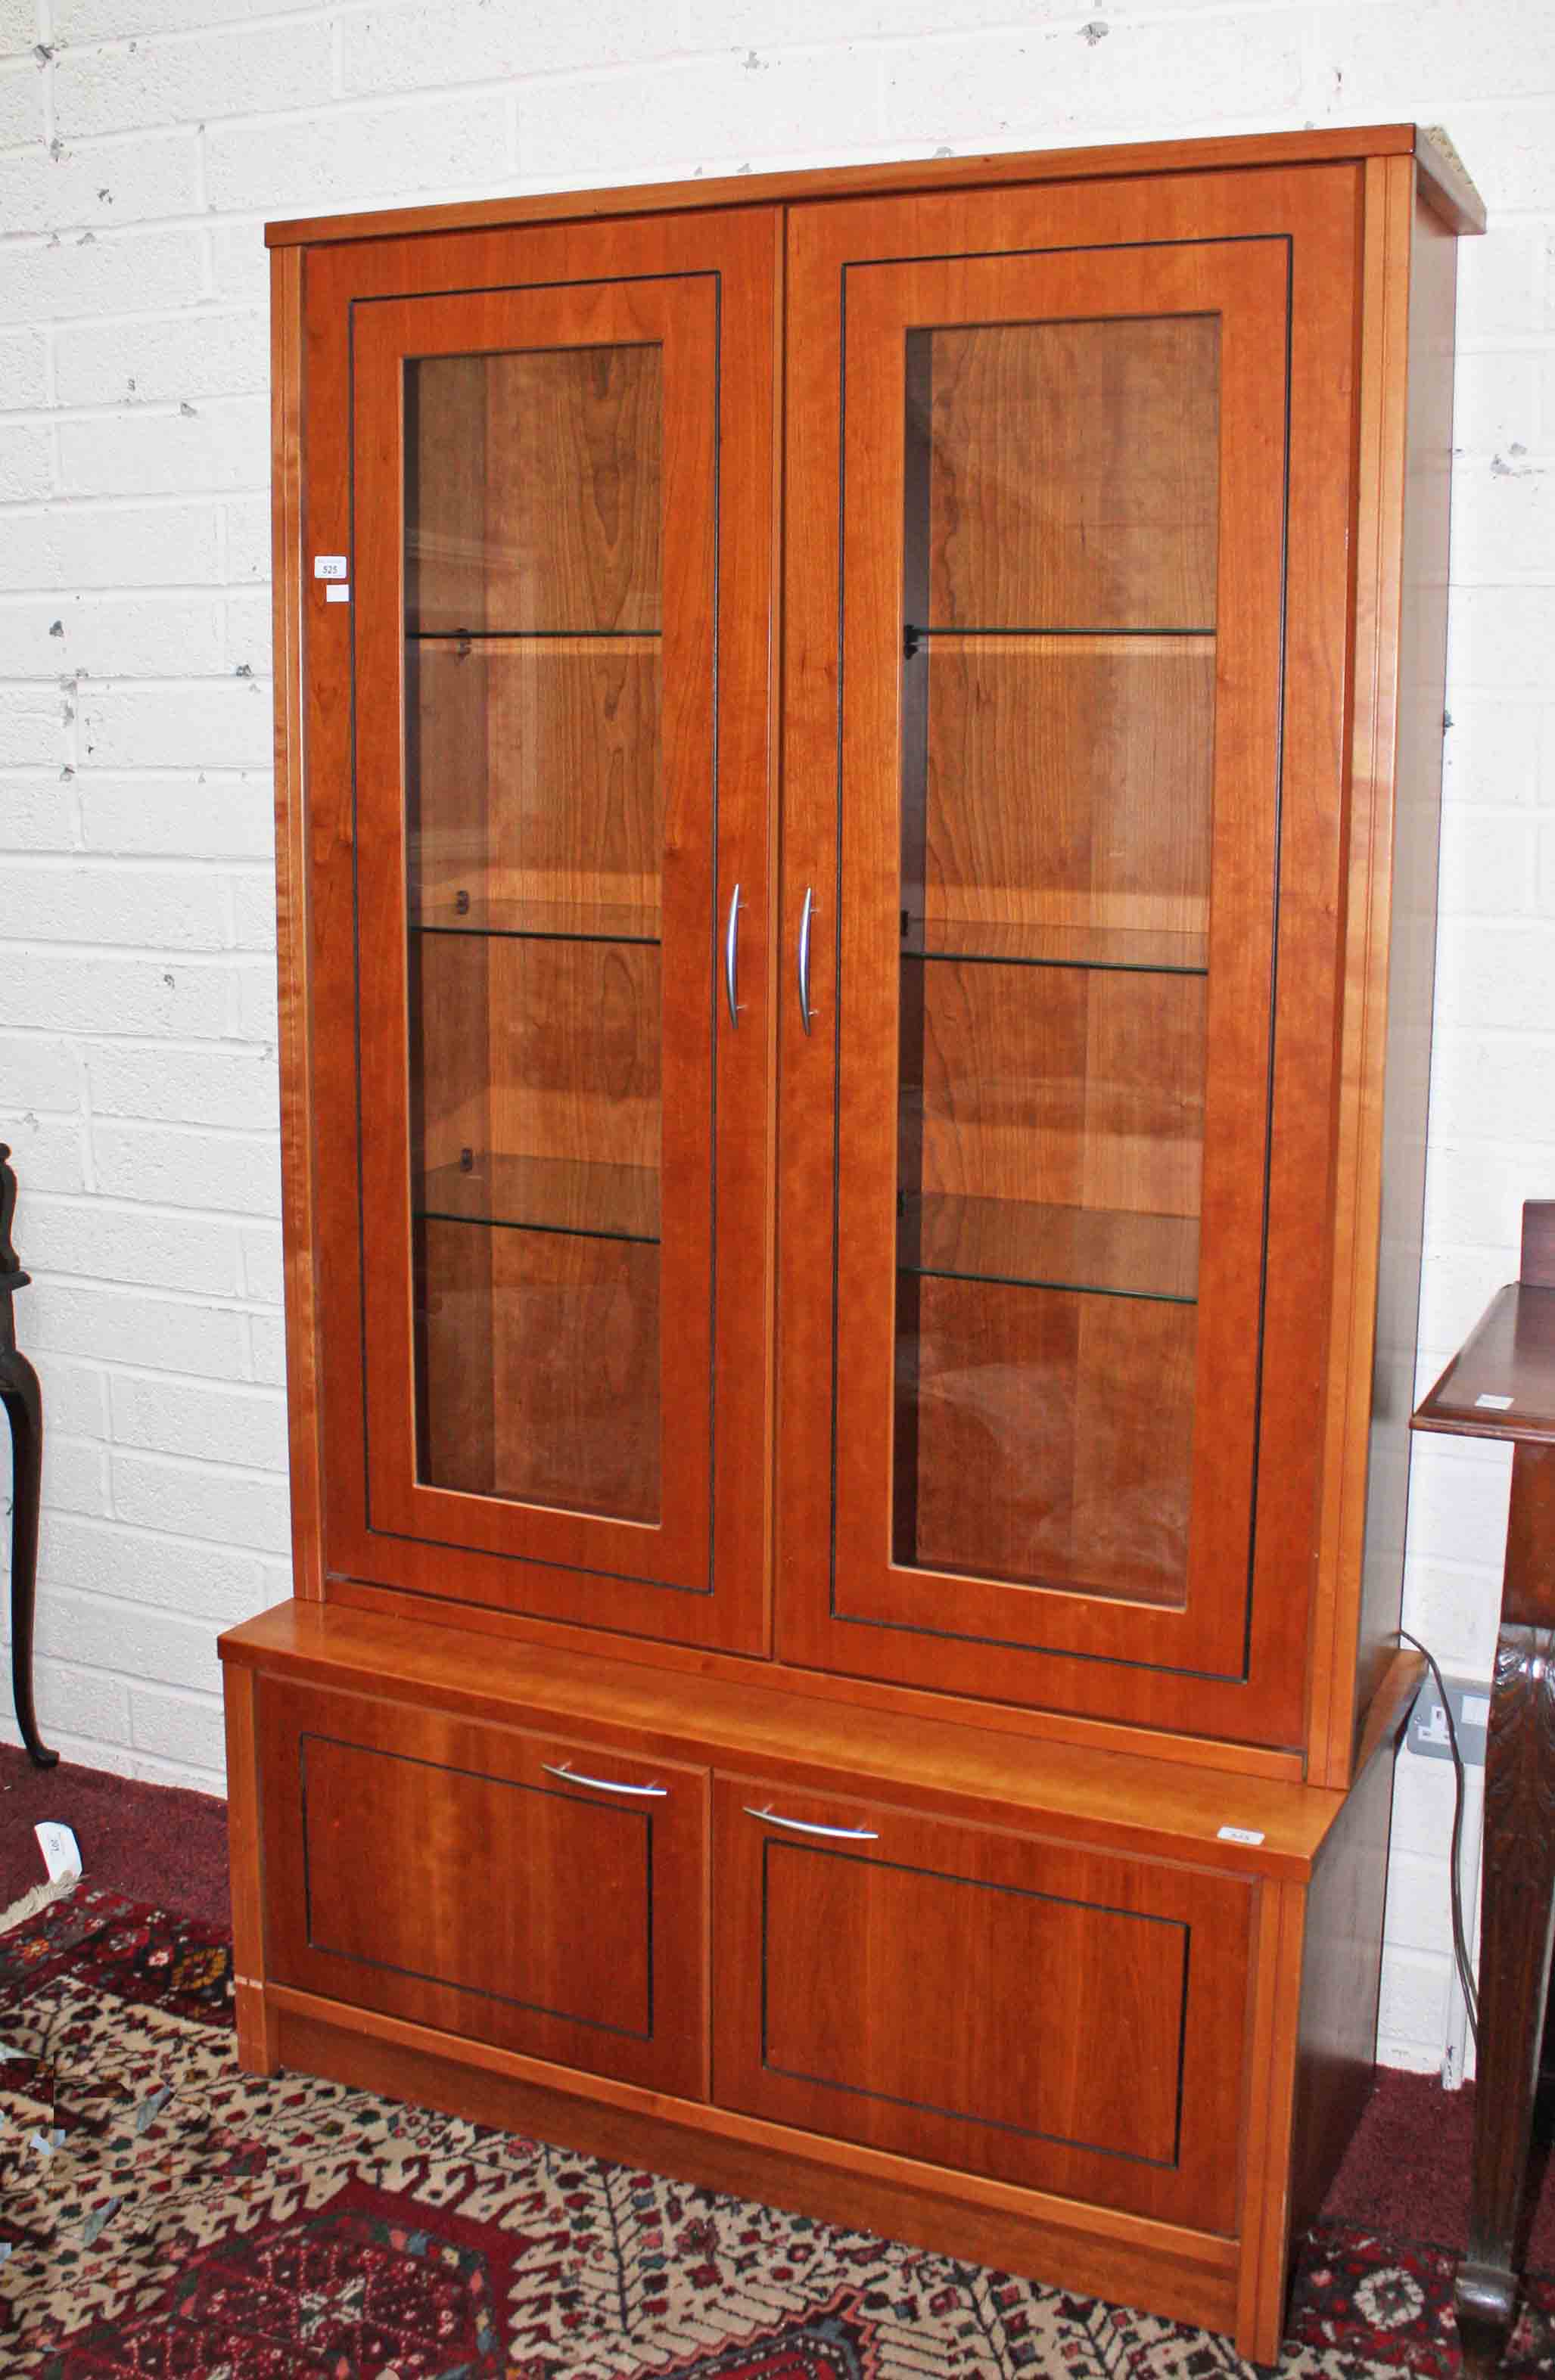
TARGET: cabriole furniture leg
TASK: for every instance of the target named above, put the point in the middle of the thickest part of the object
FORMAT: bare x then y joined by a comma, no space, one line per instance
1518,1901
24,1410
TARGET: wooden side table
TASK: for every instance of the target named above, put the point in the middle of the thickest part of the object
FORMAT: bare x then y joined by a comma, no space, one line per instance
1501,1384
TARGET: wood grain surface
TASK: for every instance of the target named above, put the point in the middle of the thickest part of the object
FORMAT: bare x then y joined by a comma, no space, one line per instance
1402,496
1054,1444
978,1999
570,789
1068,1086
430,1868
908,1750
256,2018
538,772
1501,1382
1114,625
1069,781
547,516
293,903
1074,479
1190,2276
1443,181
1093,1115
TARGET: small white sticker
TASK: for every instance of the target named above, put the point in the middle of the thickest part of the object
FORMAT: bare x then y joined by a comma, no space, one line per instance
62,1853
1496,1405
330,565
337,594
1238,1835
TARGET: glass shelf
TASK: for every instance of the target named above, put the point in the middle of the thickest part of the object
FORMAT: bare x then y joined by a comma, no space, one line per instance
994,941
550,921
915,639
1098,1250
539,1194
645,640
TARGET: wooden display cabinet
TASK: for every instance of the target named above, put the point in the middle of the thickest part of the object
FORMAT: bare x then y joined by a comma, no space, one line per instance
859,760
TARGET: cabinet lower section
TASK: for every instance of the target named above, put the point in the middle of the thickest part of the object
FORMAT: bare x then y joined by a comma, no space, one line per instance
1001,1997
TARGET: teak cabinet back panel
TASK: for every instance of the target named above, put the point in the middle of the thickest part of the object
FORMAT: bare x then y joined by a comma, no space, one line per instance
864,1960
454,1874
540,883
1052,1244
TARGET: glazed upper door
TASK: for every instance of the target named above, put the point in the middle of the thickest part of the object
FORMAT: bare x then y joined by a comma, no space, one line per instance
560,896
1064,477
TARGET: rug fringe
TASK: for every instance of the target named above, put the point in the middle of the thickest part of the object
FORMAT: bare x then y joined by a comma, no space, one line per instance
33,1903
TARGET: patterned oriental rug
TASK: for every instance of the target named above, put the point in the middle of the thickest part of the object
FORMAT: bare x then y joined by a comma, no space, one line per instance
164,2217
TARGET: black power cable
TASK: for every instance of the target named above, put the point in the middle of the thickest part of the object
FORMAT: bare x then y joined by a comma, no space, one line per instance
1460,1946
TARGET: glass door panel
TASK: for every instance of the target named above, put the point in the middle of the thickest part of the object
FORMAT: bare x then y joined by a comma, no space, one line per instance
539,732
543,863
1061,557
1059,550
534,802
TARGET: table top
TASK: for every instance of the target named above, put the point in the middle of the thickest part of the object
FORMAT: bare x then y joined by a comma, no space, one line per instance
1501,1382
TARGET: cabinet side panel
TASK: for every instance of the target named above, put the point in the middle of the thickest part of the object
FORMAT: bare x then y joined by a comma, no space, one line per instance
1341,1969
256,2028
291,920
1412,959
1400,642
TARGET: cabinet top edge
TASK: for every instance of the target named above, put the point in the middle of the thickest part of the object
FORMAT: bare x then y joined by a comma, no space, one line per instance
1443,182
1278,1824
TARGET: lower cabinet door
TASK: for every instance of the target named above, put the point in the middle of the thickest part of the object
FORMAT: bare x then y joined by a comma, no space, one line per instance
542,1894
1055,2016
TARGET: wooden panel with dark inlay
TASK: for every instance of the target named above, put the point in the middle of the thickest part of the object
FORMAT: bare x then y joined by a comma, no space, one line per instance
1062,470
344,1786
444,1872
1013,2007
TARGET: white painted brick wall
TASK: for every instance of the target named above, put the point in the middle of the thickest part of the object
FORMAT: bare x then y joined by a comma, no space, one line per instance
142,143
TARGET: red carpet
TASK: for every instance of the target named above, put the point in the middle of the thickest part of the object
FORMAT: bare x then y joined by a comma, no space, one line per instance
150,1843
165,2217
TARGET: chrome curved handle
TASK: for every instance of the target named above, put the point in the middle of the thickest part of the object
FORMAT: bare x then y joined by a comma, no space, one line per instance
603,1784
807,916
732,958
807,1827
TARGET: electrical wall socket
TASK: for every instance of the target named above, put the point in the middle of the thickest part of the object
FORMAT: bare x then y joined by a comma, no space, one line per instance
1471,1713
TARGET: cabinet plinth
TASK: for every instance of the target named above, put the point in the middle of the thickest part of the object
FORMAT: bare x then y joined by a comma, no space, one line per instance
831,1432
